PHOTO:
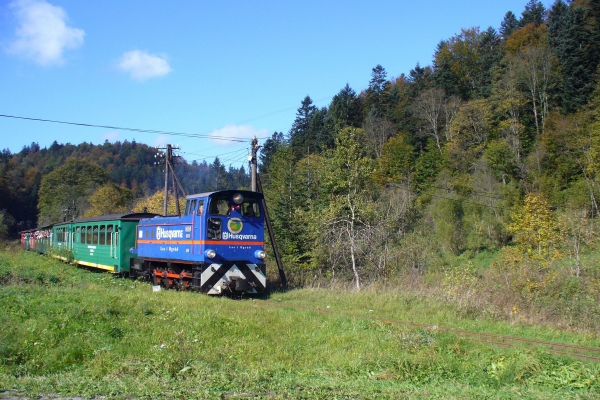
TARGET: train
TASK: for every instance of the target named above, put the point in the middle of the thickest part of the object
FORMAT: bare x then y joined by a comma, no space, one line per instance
215,247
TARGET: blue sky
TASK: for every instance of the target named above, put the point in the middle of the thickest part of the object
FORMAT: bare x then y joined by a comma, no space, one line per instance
230,69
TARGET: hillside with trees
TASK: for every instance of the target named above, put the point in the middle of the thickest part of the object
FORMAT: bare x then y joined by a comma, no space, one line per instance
479,172
476,177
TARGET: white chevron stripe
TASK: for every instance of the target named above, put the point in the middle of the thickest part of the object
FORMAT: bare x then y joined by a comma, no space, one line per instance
259,274
233,272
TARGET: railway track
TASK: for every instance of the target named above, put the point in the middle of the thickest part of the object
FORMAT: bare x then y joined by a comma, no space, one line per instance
580,352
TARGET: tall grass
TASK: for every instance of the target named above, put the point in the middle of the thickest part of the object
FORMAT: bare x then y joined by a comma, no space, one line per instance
74,332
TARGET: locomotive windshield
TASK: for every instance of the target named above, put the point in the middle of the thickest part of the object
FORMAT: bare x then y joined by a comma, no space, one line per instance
222,205
250,208
219,205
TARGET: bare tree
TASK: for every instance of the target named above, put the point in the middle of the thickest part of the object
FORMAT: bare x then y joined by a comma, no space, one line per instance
429,107
535,66
377,132
437,113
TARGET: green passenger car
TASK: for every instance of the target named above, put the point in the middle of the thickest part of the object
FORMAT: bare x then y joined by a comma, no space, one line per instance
100,242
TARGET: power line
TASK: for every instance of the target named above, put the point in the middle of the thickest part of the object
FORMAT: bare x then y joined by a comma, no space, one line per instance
206,156
192,135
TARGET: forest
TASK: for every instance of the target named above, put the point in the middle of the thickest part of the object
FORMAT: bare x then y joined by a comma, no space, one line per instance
475,178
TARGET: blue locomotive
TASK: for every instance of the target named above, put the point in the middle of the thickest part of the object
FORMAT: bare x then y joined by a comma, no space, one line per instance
216,246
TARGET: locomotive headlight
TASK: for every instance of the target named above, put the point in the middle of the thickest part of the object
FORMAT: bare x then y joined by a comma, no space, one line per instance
210,253
260,254
238,198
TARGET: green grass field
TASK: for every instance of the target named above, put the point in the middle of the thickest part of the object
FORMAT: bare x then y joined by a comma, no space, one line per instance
73,332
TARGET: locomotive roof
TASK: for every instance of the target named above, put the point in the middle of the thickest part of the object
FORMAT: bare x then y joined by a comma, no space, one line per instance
208,194
112,217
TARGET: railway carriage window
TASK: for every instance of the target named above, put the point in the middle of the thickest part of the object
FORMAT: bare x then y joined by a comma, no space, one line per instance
102,234
89,235
95,235
82,235
116,236
109,232
219,205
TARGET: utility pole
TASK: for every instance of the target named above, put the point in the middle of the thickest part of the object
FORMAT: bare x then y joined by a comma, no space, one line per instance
166,158
167,163
254,164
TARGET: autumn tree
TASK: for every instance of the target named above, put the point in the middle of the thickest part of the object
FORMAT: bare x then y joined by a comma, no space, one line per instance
535,228
155,204
462,63
109,199
534,64
348,180
69,188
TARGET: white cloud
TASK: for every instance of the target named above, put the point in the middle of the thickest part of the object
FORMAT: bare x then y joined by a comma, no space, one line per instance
112,137
242,132
141,65
162,141
42,34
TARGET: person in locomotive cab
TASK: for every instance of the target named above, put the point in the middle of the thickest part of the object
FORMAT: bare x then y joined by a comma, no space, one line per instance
201,208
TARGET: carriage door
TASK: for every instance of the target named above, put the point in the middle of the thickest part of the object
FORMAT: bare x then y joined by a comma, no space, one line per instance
112,237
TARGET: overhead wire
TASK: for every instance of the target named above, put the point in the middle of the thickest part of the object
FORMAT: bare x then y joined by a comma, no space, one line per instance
159,132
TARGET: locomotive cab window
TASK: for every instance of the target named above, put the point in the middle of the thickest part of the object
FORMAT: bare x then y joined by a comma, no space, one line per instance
190,207
219,205
214,229
250,208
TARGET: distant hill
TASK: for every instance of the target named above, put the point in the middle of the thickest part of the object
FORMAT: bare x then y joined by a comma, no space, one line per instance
128,164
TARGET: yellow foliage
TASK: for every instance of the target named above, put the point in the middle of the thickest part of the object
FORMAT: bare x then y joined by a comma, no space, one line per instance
529,35
109,199
536,229
155,204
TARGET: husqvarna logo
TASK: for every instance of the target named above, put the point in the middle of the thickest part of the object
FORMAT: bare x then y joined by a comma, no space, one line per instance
169,234
235,225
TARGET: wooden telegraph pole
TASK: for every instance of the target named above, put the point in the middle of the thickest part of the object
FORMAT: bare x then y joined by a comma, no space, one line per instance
167,159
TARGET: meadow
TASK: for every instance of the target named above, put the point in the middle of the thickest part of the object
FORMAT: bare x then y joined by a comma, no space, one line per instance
74,332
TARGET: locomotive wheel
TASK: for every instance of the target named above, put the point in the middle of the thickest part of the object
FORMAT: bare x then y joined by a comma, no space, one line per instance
165,280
